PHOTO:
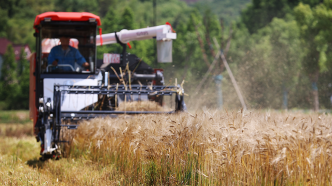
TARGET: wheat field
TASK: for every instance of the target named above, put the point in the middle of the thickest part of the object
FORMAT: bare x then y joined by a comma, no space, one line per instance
204,148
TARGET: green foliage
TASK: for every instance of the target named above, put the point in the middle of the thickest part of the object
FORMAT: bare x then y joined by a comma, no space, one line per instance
273,47
106,5
287,53
110,22
8,80
314,30
76,6
323,16
14,81
261,12
8,71
24,80
227,10
3,22
127,20
19,117
315,27
212,25
268,63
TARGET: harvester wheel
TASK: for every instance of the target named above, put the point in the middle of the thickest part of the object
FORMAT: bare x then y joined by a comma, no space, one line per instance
45,157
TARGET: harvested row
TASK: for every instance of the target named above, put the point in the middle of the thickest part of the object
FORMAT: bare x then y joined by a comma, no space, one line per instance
211,148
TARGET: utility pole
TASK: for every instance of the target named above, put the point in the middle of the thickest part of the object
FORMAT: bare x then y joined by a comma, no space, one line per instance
154,4
237,89
154,12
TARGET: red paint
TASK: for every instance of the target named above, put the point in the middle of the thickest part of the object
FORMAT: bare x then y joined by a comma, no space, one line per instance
167,23
155,71
66,16
32,92
101,37
129,45
158,69
41,148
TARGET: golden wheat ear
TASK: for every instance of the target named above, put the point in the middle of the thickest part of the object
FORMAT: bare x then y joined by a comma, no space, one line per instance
211,146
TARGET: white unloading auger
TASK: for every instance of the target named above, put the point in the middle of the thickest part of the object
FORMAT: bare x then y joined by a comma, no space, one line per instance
164,34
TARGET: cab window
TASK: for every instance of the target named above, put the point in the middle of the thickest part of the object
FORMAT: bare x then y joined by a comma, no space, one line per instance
68,48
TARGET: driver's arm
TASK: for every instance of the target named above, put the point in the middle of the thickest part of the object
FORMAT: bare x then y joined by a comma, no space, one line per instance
80,59
51,60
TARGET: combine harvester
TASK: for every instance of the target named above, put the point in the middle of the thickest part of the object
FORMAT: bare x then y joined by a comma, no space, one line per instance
63,95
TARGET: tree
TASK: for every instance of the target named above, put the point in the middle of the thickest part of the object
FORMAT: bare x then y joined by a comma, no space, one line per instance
110,23
8,71
227,10
316,40
3,22
76,6
261,12
267,65
212,27
22,98
106,5
286,56
8,80
127,19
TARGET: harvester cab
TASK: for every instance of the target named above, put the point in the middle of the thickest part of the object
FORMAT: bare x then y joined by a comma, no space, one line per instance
68,84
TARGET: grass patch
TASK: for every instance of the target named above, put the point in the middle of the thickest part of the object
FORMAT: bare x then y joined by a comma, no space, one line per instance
19,165
19,117
16,130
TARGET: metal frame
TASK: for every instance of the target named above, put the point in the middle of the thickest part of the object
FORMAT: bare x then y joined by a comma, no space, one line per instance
75,116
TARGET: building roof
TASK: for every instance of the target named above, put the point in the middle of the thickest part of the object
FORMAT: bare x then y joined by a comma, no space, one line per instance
3,45
4,42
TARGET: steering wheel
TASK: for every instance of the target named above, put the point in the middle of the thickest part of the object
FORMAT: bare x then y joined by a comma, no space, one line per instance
51,68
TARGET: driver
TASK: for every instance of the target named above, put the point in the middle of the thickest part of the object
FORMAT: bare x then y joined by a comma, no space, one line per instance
66,54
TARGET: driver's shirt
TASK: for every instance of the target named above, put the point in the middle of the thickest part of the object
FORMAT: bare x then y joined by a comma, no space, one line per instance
69,56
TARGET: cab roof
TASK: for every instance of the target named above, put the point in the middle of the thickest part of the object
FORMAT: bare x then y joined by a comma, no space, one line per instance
66,16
